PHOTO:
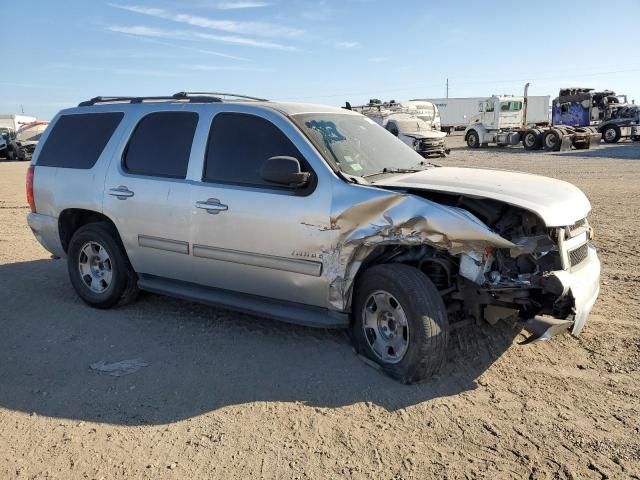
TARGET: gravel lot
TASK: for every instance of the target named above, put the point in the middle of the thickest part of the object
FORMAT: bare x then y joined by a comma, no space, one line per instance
232,396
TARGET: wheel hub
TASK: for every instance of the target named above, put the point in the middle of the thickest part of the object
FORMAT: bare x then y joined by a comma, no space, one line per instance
94,265
385,327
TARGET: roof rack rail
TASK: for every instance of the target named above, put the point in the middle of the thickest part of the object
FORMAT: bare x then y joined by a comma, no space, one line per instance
234,95
178,96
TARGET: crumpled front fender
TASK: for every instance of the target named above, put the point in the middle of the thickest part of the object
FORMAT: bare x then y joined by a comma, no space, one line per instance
391,218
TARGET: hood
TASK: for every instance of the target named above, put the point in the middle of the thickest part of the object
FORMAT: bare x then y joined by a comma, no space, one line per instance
556,202
426,135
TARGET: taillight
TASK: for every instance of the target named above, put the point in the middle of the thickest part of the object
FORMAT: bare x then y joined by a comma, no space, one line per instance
30,199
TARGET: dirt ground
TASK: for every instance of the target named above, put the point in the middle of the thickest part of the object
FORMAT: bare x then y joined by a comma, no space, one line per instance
226,396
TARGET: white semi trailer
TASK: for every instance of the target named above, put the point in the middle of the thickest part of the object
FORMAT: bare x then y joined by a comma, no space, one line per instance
455,113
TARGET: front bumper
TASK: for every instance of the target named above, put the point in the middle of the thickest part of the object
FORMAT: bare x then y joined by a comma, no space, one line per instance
582,282
432,148
45,229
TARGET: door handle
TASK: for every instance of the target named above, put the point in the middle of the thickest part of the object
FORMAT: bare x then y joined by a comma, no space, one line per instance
212,205
121,192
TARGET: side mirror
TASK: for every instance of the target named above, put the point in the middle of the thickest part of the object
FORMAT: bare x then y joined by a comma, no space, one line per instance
284,171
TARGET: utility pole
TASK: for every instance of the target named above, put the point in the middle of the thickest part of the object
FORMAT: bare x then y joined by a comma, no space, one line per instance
22,109
447,88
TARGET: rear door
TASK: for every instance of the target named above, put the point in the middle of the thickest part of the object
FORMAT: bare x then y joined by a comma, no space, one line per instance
146,192
251,236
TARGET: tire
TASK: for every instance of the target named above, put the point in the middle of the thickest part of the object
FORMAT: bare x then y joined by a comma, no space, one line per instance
113,278
473,140
552,140
532,140
611,133
419,325
11,154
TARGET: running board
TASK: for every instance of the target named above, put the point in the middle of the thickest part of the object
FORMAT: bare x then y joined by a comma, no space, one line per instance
297,313
543,327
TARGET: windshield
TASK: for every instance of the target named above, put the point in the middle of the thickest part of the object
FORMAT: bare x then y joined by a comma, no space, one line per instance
356,144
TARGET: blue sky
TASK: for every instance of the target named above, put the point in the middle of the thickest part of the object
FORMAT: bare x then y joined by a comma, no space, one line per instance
326,51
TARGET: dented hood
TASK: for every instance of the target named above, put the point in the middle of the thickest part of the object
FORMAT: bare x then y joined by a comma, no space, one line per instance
556,202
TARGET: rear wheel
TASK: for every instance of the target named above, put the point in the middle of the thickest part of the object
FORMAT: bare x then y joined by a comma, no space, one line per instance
532,140
11,154
552,140
98,266
473,140
611,133
400,322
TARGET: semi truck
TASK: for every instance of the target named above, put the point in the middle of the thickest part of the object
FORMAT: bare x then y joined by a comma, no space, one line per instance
415,123
504,120
611,114
455,113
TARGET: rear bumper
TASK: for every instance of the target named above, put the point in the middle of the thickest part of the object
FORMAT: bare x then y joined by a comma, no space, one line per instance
45,229
583,284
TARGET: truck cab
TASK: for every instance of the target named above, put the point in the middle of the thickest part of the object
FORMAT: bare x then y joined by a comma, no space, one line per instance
498,120
499,113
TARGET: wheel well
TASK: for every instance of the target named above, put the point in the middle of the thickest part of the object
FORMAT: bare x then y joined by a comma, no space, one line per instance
438,265
71,219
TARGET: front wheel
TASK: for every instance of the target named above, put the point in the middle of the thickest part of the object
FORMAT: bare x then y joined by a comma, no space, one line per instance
98,266
400,322
611,133
473,140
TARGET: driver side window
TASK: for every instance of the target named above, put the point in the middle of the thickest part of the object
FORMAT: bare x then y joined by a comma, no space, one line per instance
488,107
239,144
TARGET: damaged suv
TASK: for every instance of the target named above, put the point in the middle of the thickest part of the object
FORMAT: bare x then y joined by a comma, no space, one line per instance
308,214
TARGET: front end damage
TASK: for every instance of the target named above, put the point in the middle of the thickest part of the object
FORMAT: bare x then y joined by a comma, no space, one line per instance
490,261
429,144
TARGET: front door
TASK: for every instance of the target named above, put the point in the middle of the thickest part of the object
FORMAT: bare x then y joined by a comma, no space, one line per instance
489,114
250,235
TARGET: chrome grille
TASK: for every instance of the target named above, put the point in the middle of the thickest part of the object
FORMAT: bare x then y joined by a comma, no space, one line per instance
578,255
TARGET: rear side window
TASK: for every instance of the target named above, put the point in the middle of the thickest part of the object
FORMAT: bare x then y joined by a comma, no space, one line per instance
161,144
76,141
238,146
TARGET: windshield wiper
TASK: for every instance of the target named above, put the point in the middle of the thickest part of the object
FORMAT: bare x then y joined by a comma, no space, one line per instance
393,170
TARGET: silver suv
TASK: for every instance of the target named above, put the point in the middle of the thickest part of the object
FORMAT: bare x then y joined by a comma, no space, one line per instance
308,214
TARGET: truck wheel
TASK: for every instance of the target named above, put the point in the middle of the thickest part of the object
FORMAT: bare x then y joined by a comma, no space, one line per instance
611,133
473,140
532,140
400,322
11,154
552,140
99,268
